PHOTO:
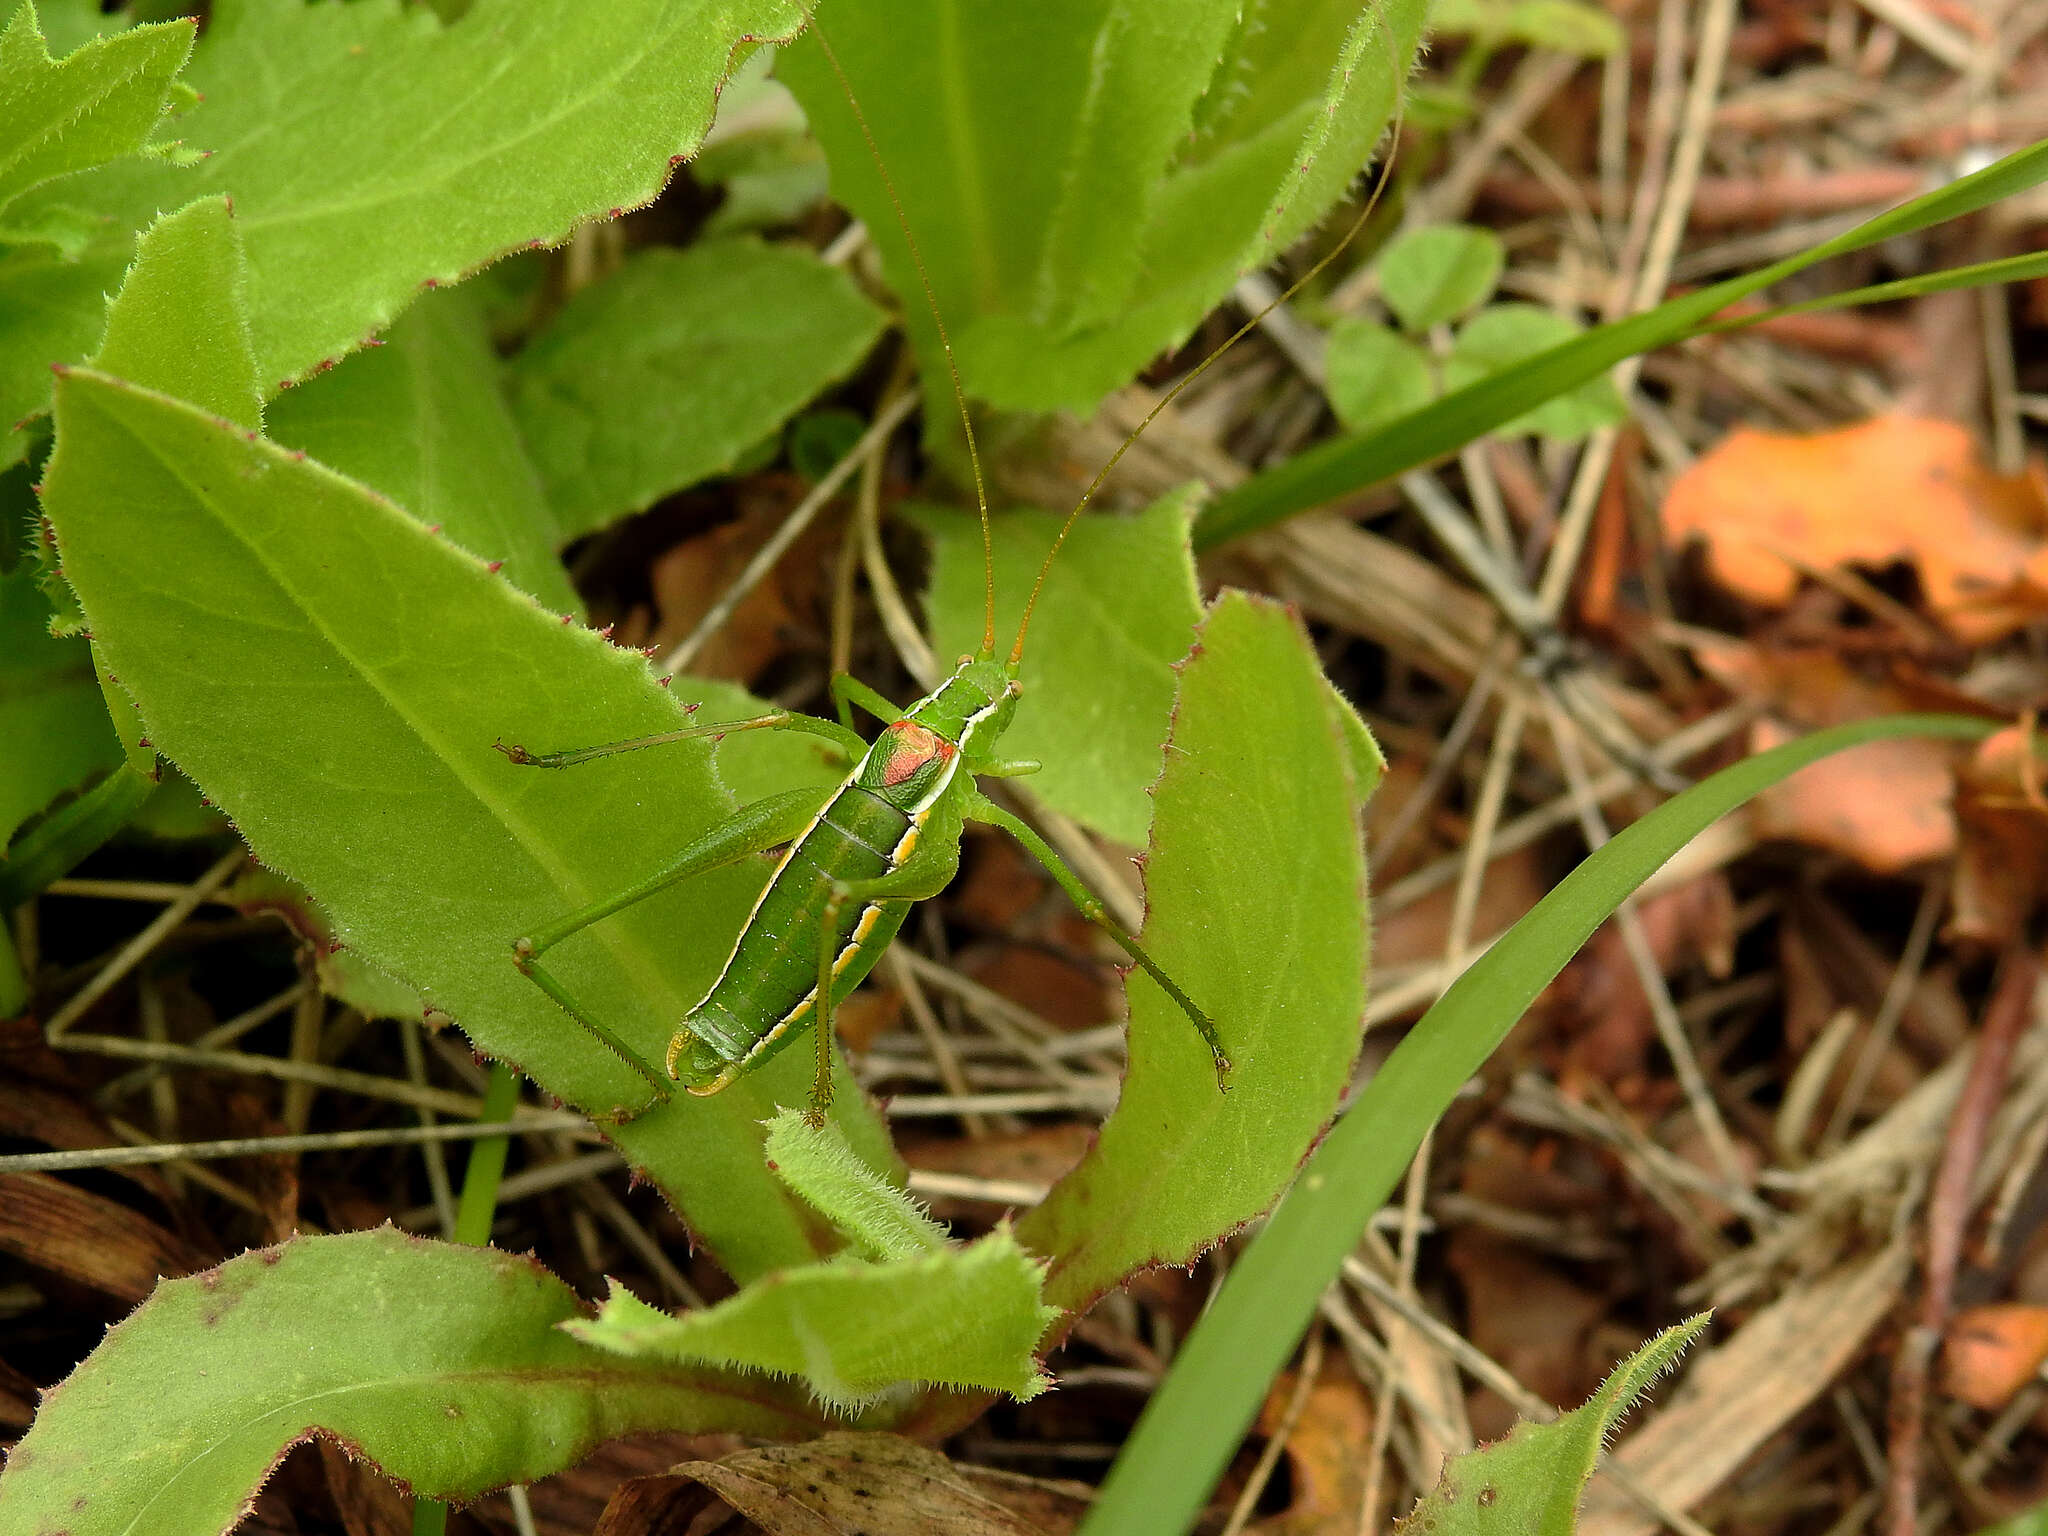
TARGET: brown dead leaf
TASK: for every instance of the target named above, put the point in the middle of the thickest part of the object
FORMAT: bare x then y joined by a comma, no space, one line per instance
1886,804
875,1485
691,577
1326,1454
369,1503
1992,1351
1896,488
1689,924
2001,868
63,1230
1530,1318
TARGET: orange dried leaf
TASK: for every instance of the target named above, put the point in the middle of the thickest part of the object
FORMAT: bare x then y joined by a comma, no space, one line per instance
1769,505
1992,1351
1886,804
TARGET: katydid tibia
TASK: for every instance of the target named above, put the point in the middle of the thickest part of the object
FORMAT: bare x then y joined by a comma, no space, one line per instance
888,836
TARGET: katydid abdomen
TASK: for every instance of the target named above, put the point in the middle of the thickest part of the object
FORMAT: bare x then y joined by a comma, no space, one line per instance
770,984
821,922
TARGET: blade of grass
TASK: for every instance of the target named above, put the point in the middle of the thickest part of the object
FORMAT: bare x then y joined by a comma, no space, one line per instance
1194,1422
1346,464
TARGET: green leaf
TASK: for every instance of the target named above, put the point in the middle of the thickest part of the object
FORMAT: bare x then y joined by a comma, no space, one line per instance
965,1317
423,419
815,1161
444,1365
1496,339
100,103
1114,619
1568,26
1195,1420
334,676
1432,276
1344,465
672,367
372,151
54,734
51,309
1374,373
181,324
1530,1483
1256,897
1086,179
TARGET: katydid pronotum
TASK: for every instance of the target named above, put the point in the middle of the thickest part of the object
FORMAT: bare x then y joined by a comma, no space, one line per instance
887,836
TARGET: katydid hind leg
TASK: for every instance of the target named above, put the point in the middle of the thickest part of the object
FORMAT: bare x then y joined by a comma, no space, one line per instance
980,808
762,825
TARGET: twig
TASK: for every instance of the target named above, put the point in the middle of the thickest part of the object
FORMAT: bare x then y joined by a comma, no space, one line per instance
131,953
886,421
1948,1214
252,1146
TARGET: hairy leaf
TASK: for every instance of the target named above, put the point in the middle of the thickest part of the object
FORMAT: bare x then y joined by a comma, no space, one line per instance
52,306
672,367
882,1221
1530,1483
371,151
181,325
1114,619
334,675
853,1329
1256,905
442,1364
100,102
1086,178
424,420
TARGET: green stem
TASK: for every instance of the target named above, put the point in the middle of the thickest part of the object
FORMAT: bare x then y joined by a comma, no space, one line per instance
1194,1422
474,1213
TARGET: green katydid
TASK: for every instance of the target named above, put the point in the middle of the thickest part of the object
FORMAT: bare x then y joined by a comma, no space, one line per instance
887,836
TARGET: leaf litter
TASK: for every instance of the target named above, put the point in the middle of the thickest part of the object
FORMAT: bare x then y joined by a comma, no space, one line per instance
1809,525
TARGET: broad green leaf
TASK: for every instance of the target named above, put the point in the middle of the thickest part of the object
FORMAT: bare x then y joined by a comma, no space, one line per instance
99,103
1373,373
1196,1418
181,323
371,152
1530,1483
444,1365
423,419
1086,178
1343,465
669,369
1569,26
853,1329
334,675
1433,276
54,734
1256,904
1114,620
51,310
882,1221
1503,335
